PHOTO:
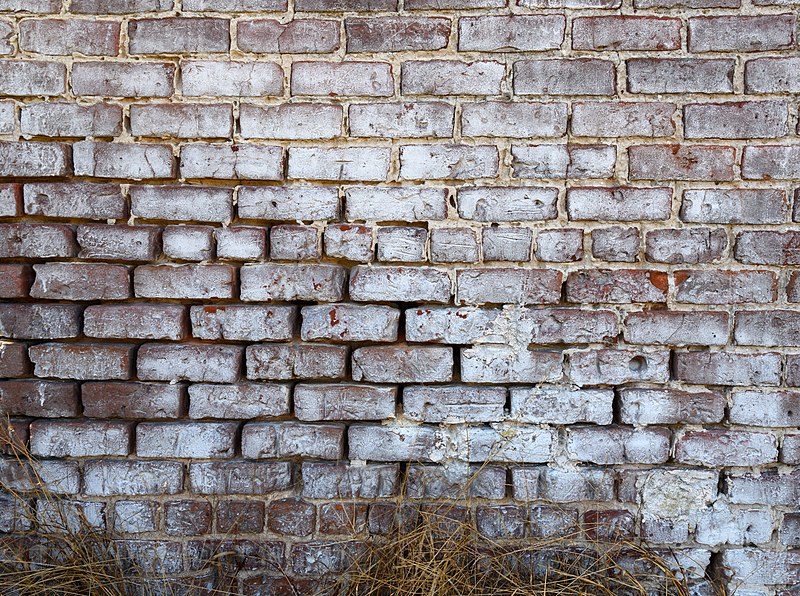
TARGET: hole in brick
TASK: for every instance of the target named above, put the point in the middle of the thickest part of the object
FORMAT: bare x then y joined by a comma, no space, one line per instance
637,364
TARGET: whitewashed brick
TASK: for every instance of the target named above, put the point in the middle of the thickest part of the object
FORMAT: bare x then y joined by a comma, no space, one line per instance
334,163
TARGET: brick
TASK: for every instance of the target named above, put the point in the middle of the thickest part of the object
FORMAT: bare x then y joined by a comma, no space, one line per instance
618,445
772,75
790,449
396,34
299,36
178,35
123,160
619,204
399,284
507,244
507,285
506,364
292,361
726,447
452,77
40,399
553,404
240,517
241,243
615,367
67,37
681,162
403,244
231,79
740,120
727,368
771,408
339,163
725,287
183,121
132,477
670,406
343,480
331,79
14,360
645,4
448,162
235,5
741,33
237,322
242,401
502,521
675,328
294,243
767,328
119,6
522,33
767,248
563,161
186,440
436,482
348,322
351,242
619,286
453,245
32,77
381,443
559,246
679,75
272,282
237,477
511,444
395,204
768,488
292,439
687,245
453,4
291,517
771,162
119,242
81,281
75,200
197,363
132,400
80,438
15,280
8,117
135,321
191,243
793,288
10,200
182,203
123,79
293,121
415,364
134,517
514,119
288,203
39,321
582,76
347,5
622,119
344,402
617,33
70,120
401,120
507,203
734,206
31,6
229,162
33,159
560,486
454,404
82,361
36,241
199,282
337,518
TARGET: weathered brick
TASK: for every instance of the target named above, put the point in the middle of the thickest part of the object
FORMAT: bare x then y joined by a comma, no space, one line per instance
343,519
240,517
339,163
395,204
409,443
344,402
272,282
507,203
553,404
737,33
734,206
123,160
772,75
36,241
119,6
69,120
619,286
396,34
615,366
293,121
645,4
239,477
347,5
771,162
559,246
452,4
507,244
453,245
32,77
618,445
451,77
292,361
413,364
178,35
331,79
686,245
123,79
239,322
725,287
231,79
80,438
348,322
767,328
10,200
489,363
511,286
727,368
622,119
15,280
182,203
436,482
189,440
454,403
135,321
235,5
581,76
402,244
681,162
560,486
294,243
119,242
563,161
299,36
241,243
675,328
514,119
183,121
198,363
399,284
31,6
82,361
190,243
228,162
679,75
242,401
8,118
75,200
14,360
342,480
184,281
619,204
502,443
768,488
522,33
291,517
401,120
768,248
626,33
67,37
351,242
39,321
670,406
40,399
739,120
81,281
292,439
726,447
33,159
288,203
133,517
772,408
132,400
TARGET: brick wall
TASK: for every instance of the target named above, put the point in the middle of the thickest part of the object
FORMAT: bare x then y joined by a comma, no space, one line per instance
257,258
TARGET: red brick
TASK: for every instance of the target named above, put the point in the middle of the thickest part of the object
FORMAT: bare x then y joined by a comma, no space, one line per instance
772,75
119,6
14,360
234,5
184,281
727,368
299,36
500,521
82,361
39,321
342,518
16,433
15,280
396,34
240,517
346,5
793,287
38,241
192,362
619,286
38,399
681,162
291,517
67,37
178,35
626,33
80,438
119,242
771,162
32,6
20,78
581,76
132,400
187,518
725,287
609,526
741,33
768,248
81,281
123,79
135,321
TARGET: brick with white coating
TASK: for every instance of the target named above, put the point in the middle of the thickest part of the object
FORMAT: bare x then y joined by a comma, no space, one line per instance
186,440
413,364
199,363
508,286
272,282
563,161
448,162
401,120
206,78
368,164
294,121
241,401
331,79
296,361
57,438
727,368
399,284
349,322
137,161
452,77
453,404
240,322
555,404
345,401
520,33
270,440
506,364
616,366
